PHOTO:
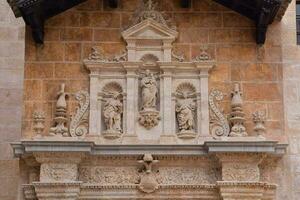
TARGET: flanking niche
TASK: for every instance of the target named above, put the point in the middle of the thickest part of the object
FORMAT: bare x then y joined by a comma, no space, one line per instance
186,110
112,110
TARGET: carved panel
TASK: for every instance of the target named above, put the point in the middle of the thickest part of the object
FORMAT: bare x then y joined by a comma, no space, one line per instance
240,172
186,175
109,175
58,172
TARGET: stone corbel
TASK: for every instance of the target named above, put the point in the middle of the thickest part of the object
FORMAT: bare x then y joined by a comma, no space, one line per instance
58,176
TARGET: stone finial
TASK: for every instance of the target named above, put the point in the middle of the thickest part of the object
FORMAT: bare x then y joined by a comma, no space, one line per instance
237,117
259,118
38,123
148,182
60,119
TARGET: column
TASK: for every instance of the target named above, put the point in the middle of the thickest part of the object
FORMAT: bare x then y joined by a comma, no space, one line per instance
131,104
203,115
166,107
95,107
58,176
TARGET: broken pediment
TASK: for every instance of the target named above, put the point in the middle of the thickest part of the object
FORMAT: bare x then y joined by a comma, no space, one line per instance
149,29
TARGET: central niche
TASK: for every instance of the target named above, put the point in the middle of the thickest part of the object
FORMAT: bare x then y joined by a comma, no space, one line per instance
148,94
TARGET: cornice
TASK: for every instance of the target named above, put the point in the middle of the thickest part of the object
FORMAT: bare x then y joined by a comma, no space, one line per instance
29,147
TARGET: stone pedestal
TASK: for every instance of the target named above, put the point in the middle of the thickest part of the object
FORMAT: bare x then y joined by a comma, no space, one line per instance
58,176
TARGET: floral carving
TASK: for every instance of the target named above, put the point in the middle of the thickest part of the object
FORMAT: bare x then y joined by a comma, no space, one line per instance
79,123
109,175
58,172
240,172
219,124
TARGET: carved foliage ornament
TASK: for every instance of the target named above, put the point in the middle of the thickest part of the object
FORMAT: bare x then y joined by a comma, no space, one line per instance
38,122
219,124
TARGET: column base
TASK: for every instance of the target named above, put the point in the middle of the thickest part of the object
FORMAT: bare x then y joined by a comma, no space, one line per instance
231,190
57,190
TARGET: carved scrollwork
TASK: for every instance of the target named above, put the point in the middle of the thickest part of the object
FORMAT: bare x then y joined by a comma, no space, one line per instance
219,124
79,123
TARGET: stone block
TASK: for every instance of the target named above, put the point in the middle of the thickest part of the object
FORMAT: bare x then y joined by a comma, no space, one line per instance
70,71
233,53
77,34
72,51
33,89
107,35
99,19
262,91
51,51
39,70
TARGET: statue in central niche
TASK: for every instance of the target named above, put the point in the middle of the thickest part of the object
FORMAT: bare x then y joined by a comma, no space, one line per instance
149,116
149,91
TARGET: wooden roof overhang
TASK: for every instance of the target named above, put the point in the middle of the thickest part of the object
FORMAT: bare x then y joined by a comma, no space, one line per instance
36,12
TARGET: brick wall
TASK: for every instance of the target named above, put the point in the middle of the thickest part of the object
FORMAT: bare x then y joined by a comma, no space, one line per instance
11,89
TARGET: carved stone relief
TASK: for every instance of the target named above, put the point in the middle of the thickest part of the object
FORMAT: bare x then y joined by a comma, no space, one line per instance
240,172
38,123
60,119
237,115
109,175
58,172
79,122
113,110
185,110
219,126
259,118
148,182
149,115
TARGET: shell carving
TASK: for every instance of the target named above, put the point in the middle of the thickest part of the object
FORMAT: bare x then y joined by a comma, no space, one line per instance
219,124
79,122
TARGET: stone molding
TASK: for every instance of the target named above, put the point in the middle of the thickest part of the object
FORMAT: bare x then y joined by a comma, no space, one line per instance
58,190
246,190
28,147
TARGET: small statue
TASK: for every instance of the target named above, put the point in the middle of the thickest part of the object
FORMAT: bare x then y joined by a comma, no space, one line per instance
38,123
149,91
185,107
148,182
112,112
204,56
149,116
61,114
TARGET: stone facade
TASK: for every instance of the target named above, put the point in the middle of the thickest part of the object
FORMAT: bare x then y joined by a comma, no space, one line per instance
268,77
